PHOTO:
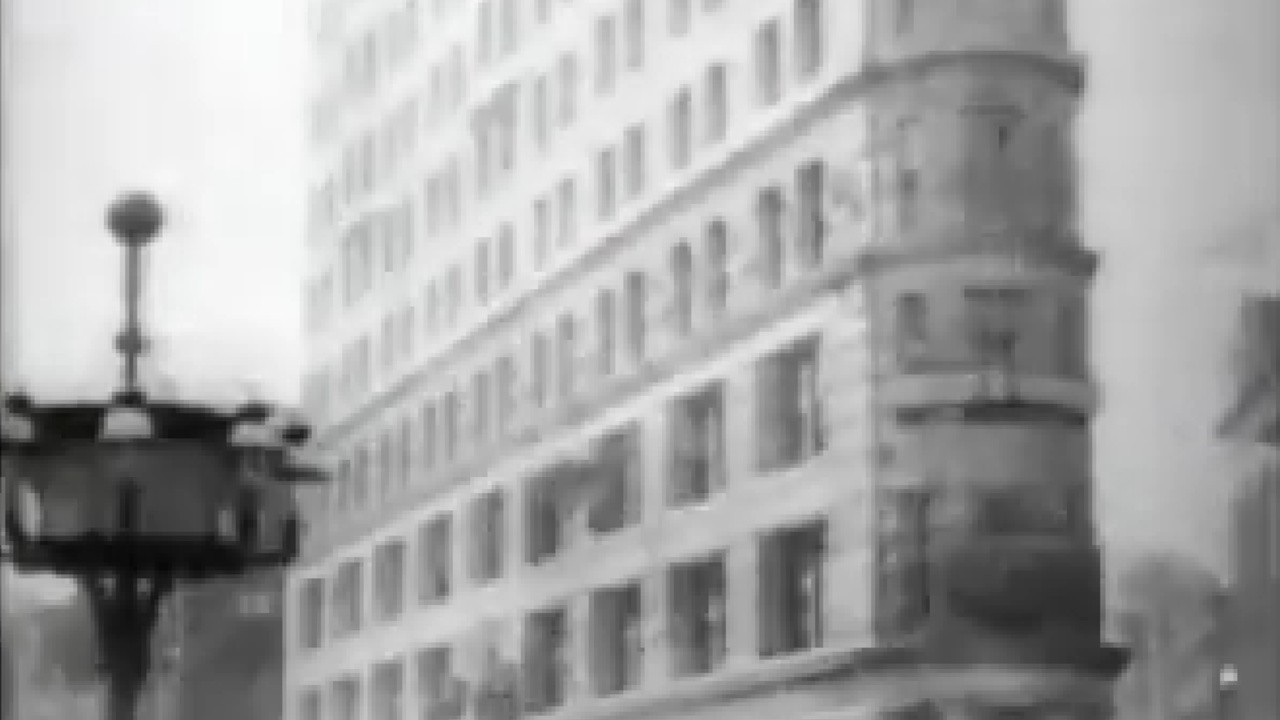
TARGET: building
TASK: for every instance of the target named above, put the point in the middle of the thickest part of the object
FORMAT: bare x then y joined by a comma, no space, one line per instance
1255,418
697,359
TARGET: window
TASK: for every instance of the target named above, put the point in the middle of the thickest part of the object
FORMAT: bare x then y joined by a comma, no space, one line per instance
606,183
1073,337
433,307
617,641
429,434
791,426
506,256
636,320
697,446
509,26
310,706
606,54
441,695
389,580
606,329
541,231
698,616
346,698
348,590
388,691
902,587
912,329
635,33
995,322
769,207
540,369
566,355
435,573
810,188
311,613
548,512
386,464
360,493
682,280
791,589
484,33
405,445
680,16
482,402
618,472
546,659
482,271
455,295
505,371
568,71
717,102
908,180
681,129
568,201
541,112
768,64
810,45
488,537
452,424
904,16
635,160
717,267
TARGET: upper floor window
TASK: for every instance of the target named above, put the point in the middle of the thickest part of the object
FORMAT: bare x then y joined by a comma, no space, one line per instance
717,266
902,561
482,271
452,424
389,579
568,73
606,53
768,64
547,665
506,255
509,27
769,209
346,698
682,280
540,369
488,537
548,513
567,196
679,16
792,428
717,102
482,403
505,371
908,181
635,160
904,17
429,432
484,32
697,444
541,230
810,189
619,472
566,354
606,183
682,128
441,694
606,330
541,121
912,328
995,321
311,705
435,573
809,42
698,614
311,613
617,646
634,17
454,281
348,592
636,310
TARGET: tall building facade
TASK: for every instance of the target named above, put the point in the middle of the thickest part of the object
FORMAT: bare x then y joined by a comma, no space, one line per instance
697,358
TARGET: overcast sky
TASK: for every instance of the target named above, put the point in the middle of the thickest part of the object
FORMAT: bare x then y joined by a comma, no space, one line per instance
201,102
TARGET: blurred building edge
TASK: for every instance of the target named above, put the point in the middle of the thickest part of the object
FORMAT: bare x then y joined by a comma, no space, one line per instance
1254,418
219,652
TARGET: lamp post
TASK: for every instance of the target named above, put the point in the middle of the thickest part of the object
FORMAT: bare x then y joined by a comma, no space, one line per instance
132,496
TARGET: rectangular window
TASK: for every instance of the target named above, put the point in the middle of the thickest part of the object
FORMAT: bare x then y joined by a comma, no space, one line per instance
430,431
484,33
697,446
996,318
482,403
548,513
540,369
606,183
908,179
635,33
698,616
717,102
547,662
505,371
541,112
717,267
682,280
435,573
619,473
791,425
912,330
541,231
310,705
809,42
510,26
681,129
388,689
348,591
568,72
605,332
567,197
566,355
455,295
636,170
636,302
441,694
1073,337
346,698
769,211
792,576
389,580
810,188
902,562
488,537
679,16
606,54
311,613
617,642
768,56
506,256
482,271
452,424
904,16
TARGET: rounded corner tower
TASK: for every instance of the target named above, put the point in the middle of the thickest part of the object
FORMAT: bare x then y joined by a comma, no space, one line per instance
977,284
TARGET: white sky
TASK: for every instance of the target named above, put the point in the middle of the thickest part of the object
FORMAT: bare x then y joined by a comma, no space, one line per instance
200,100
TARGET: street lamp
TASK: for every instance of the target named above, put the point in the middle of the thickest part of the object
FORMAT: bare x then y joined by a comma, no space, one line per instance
133,495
